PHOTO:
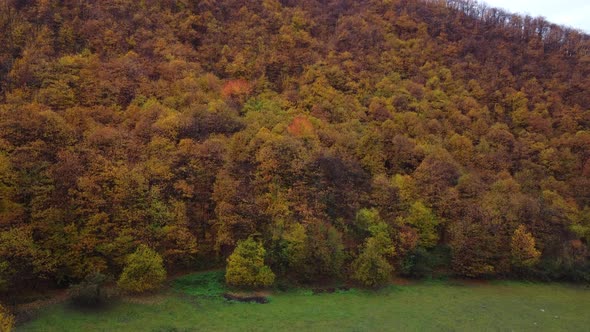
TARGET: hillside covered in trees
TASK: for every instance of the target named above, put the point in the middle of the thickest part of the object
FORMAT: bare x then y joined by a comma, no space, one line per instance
330,139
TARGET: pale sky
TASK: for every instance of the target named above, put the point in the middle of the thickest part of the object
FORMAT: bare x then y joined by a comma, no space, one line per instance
572,13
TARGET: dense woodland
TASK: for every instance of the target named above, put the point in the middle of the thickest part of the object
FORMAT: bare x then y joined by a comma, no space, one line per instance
325,139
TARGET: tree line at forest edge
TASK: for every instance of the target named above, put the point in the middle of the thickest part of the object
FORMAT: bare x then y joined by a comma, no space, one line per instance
316,140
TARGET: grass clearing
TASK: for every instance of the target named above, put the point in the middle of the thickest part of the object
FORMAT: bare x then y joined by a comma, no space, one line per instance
208,285
194,303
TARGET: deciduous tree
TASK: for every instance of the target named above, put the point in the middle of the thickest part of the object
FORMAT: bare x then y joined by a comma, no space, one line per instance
246,267
144,271
522,247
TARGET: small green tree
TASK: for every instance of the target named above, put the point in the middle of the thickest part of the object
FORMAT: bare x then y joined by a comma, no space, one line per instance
6,320
321,255
144,271
581,225
524,253
371,268
423,219
246,268
367,217
91,291
294,250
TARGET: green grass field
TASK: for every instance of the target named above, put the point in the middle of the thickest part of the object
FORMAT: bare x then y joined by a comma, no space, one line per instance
194,304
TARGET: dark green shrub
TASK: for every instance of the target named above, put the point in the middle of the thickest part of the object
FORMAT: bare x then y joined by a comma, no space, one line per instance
422,263
209,284
91,292
556,270
321,256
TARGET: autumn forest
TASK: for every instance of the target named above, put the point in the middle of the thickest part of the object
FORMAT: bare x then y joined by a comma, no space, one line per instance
291,141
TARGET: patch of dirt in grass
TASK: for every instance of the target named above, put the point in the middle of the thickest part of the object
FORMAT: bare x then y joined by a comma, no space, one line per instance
145,298
399,281
246,297
470,282
27,311
330,290
53,298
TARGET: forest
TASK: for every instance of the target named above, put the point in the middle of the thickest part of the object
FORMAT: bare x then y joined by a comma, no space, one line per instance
293,141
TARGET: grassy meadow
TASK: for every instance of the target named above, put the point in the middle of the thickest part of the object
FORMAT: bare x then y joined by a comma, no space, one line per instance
194,303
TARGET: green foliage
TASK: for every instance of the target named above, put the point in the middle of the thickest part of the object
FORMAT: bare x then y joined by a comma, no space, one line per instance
91,292
323,255
212,121
287,251
366,218
582,225
425,222
206,284
4,275
371,268
422,262
144,271
548,270
246,268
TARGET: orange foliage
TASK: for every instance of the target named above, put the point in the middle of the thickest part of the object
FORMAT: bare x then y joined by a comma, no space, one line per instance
300,127
128,122
236,88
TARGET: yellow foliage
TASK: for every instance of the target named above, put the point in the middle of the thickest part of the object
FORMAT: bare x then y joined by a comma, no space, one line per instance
523,249
6,320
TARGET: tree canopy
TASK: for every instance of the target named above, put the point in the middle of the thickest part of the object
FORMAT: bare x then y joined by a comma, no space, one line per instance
191,126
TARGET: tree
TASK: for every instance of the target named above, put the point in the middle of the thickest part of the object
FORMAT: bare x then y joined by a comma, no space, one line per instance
6,320
425,222
246,268
582,226
524,253
215,120
323,255
371,268
294,250
437,172
473,249
91,291
144,271
4,275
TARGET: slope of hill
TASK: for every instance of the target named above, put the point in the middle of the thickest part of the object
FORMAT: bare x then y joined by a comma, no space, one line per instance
457,132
